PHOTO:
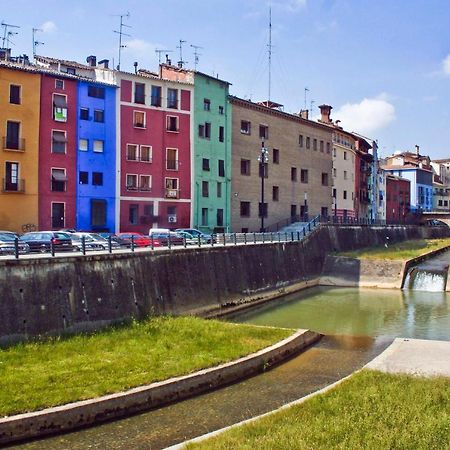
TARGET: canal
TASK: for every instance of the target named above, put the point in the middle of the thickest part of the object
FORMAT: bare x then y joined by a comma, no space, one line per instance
358,324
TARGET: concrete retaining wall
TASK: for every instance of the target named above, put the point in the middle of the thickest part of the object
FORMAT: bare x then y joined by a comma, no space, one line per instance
89,412
71,294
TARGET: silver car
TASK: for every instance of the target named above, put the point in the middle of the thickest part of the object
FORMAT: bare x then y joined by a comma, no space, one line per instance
7,244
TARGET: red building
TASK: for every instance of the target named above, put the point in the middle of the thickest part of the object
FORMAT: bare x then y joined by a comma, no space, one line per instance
397,198
57,152
363,171
155,152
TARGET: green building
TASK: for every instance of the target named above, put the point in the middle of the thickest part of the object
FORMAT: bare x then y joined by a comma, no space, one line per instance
211,195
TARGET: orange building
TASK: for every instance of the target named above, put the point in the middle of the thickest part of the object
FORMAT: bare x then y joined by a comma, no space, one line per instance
19,138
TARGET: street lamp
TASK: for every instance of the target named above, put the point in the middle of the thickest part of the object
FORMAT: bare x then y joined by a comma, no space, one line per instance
263,159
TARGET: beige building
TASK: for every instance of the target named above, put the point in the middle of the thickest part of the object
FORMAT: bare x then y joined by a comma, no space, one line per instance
297,182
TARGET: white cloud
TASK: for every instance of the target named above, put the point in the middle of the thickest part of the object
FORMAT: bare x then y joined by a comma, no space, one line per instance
446,65
289,5
367,116
141,48
48,27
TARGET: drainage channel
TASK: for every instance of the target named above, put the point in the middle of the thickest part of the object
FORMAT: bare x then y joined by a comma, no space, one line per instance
325,362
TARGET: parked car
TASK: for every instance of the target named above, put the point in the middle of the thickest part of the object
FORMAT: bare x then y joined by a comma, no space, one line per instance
204,237
139,239
40,241
89,243
98,241
7,244
163,237
115,238
188,238
435,223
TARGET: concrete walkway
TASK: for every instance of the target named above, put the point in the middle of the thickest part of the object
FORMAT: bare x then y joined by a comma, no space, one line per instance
414,356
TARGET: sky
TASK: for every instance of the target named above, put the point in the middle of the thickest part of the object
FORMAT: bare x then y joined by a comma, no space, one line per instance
383,65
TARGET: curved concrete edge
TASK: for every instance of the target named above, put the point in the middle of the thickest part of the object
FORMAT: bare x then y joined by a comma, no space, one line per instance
89,412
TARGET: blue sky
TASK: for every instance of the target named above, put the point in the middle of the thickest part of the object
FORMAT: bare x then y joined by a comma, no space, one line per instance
383,65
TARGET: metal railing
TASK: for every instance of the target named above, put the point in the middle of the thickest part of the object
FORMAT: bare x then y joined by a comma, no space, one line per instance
13,144
17,186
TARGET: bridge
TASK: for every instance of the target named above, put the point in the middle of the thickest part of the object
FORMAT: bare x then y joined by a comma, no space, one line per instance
441,216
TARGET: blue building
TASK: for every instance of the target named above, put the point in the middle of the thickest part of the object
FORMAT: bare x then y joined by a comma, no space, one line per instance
96,156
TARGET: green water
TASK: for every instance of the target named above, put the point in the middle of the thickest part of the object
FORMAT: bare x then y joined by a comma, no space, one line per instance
359,312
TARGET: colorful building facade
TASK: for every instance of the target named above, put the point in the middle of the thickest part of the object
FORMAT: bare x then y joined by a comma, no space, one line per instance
397,199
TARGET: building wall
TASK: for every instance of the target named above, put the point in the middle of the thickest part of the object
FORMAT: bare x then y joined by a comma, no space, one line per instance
100,162
48,159
343,181
284,132
397,199
19,208
211,149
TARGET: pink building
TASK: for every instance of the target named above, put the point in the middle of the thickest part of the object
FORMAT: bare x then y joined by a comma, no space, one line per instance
154,162
57,152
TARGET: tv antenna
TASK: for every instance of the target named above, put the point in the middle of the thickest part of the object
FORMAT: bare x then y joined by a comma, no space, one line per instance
35,42
8,38
6,33
196,55
269,46
160,51
306,91
121,33
181,62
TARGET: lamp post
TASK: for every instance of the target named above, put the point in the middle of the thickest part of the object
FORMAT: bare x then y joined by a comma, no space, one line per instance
263,159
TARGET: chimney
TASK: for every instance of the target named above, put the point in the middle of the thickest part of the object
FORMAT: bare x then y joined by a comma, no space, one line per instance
325,111
103,64
417,150
91,60
304,114
135,64
5,54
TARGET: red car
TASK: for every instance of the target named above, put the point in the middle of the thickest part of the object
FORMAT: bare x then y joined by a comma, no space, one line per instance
139,239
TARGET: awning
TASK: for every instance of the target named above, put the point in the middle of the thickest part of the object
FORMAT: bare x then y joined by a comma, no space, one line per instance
59,137
59,176
60,101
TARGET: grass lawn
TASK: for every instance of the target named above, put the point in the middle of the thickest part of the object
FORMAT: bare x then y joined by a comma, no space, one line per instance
59,371
401,250
371,410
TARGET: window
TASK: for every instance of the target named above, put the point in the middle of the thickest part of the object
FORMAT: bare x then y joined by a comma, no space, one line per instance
304,175
207,104
275,193
345,155
172,98
308,142
221,134
71,71
207,130
59,84
324,179
12,177
324,211
334,152
321,147
59,141
98,213
83,145
293,173
245,209
264,132
96,91
345,174
344,195
219,217
139,93
172,159
334,193
58,215
276,156
221,110
132,182
58,180
300,140
98,146
149,210
204,217
146,153
315,144
293,210
84,113
99,115
14,94
205,164
219,189
59,108
334,172
132,152
262,209
145,182
201,130
172,187
13,140
139,119
205,189
172,123
97,178
83,177
245,127
156,96
133,213
328,148
221,167
245,167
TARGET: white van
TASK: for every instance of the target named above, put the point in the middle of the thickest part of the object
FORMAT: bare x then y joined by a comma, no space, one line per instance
158,231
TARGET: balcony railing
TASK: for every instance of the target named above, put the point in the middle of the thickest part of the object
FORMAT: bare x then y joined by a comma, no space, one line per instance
172,193
13,144
16,186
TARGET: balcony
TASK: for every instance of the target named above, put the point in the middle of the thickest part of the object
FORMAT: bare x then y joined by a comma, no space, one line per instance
13,144
172,193
17,186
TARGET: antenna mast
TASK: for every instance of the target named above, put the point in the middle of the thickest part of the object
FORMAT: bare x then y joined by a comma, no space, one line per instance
306,90
35,42
160,51
196,55
270,50
6,33
181,62
121,33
